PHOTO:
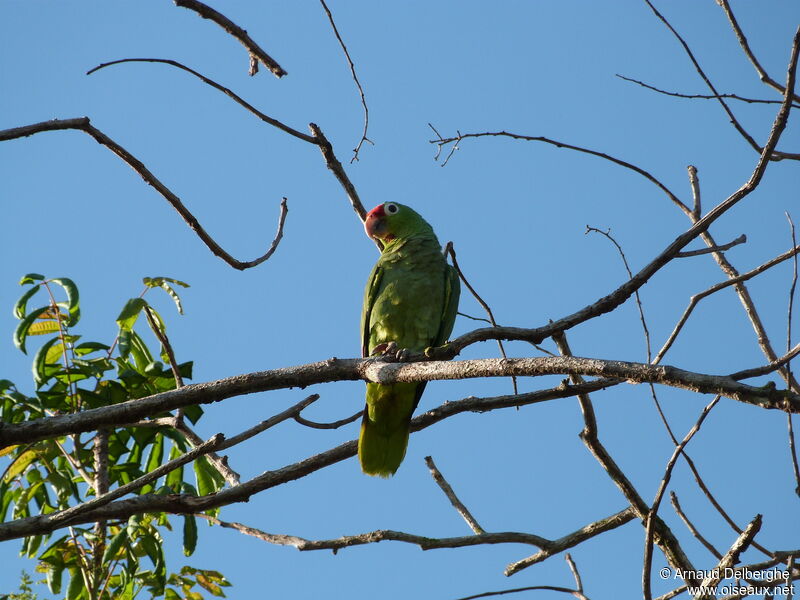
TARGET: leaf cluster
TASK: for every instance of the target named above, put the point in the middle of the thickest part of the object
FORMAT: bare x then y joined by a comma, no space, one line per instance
114,559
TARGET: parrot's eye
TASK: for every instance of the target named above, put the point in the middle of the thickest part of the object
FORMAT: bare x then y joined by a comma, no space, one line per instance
391,208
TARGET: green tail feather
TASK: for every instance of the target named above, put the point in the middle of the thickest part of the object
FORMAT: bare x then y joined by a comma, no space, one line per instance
384,429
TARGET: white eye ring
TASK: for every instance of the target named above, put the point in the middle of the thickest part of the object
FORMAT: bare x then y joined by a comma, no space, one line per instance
391,208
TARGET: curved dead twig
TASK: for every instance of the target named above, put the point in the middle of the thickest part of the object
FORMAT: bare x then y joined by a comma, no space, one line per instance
83,124
364,137
642,320
255,51
701,96
774,154
450,249
762,74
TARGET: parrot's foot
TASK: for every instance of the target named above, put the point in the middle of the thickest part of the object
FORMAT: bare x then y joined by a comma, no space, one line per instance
389,351
385,349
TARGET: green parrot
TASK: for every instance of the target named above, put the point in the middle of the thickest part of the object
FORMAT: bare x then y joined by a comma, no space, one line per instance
411,299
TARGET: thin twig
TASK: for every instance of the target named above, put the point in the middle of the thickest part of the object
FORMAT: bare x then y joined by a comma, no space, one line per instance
289,413
530,588
573,539
676,505
749,53
364,137
607,235
694,183
165,343
735,281
255,51
711,249
699,96
217,86
792,288
442,141
649,523
450,249
451,495
732,555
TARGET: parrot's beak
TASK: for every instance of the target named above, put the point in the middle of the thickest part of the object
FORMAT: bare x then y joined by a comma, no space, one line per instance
375,226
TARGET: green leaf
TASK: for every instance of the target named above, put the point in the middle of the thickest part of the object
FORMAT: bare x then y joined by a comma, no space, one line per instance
89,347
76,585
73,299
202,472
20,464
22,304
171,595
175,478
31,278
21,332
54,579
114,545
130,312
189,534
44,356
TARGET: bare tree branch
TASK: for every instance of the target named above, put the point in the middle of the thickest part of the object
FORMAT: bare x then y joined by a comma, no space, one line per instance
709,250
364,137
732,281
663,535
690,526
732,555
237,32
650,521
451,495
378,371
700,96
573,539
83,124
772,155
765,78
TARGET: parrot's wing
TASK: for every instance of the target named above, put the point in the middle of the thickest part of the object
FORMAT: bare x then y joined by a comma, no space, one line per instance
370,293
452,291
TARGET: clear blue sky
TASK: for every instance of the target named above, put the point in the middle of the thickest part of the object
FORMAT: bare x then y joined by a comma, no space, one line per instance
516,212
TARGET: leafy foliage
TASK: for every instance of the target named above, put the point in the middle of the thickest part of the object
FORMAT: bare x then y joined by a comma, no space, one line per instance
115,559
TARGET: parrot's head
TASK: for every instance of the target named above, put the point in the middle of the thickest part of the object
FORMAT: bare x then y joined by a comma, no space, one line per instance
392,221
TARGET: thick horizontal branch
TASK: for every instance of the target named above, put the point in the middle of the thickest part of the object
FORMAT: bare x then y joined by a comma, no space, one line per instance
237,32
378,371
185,503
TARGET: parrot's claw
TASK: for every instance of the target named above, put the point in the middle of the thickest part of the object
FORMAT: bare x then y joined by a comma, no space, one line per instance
402,355
385,349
